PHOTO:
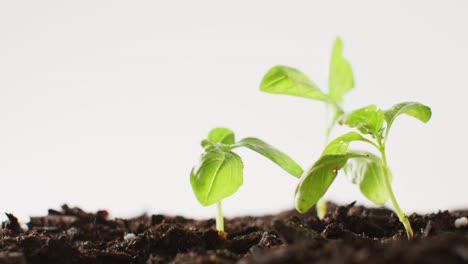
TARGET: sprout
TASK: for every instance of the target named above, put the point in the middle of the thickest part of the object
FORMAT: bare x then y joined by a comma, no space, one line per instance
220,172
368,170
290,81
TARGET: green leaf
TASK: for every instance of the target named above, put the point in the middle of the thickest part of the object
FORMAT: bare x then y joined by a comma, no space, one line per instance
268,151
340,79
219,175
287,80
207,144
414,109
369,174
221,135
340,144
318,179
367,120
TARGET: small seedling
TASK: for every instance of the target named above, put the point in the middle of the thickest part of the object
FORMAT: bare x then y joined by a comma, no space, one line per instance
290,81
369,171
220,172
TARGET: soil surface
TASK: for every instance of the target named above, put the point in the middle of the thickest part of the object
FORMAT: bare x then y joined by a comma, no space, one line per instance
348,234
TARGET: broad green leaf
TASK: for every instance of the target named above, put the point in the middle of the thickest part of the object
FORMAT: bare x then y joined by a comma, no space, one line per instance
287,80
414,109
317,180
268,151
369,174
340,144
221,135
218,176
367,120
340,79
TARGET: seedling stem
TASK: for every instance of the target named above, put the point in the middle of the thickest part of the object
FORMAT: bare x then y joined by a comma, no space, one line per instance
388,186
219,218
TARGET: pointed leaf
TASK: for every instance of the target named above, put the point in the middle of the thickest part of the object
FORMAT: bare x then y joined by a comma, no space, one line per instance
340,79
340,144
221,135
268,151
219,175
369,174
414,109
367,120
287,80
315,182
207,144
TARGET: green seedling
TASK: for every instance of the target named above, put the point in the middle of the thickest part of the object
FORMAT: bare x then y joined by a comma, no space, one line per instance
220,172
290,81
365,169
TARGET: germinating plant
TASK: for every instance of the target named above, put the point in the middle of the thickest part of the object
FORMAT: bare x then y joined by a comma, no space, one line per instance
290,81
220,172
365,169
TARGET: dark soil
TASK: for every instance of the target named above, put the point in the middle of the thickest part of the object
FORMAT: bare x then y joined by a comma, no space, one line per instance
348,234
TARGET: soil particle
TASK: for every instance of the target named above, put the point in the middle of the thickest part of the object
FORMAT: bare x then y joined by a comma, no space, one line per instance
12,224
347,234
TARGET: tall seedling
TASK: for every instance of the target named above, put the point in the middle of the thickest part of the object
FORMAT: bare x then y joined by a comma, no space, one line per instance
290,81
368,170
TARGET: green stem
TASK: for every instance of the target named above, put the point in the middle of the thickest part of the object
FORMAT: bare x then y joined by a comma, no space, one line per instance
219,217
321,206
327,135
332,110
327,124
403,219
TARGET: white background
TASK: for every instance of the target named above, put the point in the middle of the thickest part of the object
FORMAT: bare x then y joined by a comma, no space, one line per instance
103,103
